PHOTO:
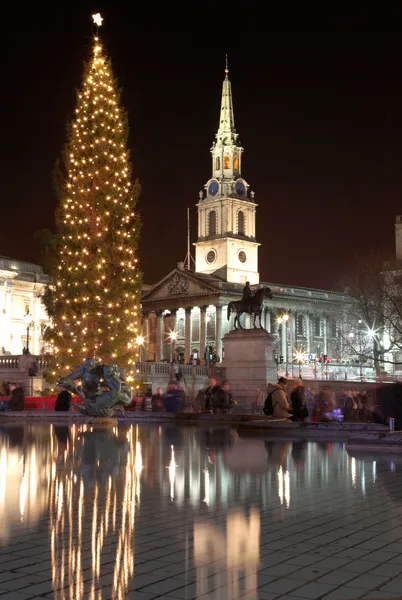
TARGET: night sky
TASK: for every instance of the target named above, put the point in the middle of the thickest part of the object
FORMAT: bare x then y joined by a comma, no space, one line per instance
319,116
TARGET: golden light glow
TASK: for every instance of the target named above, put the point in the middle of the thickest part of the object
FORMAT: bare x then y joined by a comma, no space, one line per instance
97,19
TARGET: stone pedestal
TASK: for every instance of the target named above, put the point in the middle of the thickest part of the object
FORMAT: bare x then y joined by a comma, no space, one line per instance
249,362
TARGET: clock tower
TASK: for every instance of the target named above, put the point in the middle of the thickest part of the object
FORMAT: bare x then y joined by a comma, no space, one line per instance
226,242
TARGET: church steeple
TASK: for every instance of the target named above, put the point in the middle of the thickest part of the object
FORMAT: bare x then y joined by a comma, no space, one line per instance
226,150
226,121
226,243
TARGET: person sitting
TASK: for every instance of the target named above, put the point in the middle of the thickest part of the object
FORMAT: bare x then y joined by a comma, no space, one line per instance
63,401
279,399
17,399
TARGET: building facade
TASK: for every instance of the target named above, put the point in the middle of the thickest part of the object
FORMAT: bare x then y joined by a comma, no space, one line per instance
22,315
186,312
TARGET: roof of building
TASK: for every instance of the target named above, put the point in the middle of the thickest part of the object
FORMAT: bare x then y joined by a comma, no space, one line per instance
19,265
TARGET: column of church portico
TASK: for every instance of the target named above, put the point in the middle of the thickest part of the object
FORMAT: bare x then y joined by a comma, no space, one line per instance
267,320
203,330
308,333
160,334
173,314
145,334
325,327
187,335
218,331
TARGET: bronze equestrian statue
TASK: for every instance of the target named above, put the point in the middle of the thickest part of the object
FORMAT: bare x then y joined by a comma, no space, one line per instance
252,306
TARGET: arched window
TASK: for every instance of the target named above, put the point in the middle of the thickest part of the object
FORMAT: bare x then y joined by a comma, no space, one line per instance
180,328
212,223
226,162
236,162
241,225
218,163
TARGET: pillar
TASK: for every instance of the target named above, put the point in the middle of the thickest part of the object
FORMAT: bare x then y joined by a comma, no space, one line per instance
173,314
160,334
187,335
203,330
145,333
218,331
293,339
325,327
308,333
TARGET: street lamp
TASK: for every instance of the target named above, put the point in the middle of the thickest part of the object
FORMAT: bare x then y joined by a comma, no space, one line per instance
29,323
299,355
140,342
173,338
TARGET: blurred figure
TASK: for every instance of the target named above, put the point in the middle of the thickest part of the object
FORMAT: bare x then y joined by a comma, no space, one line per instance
63,401
172,398
209,395
258,402
347,406
157,401
227,398
17,399
298,402
324,405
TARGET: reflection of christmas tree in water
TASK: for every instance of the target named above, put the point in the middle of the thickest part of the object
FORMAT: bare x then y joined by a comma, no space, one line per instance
97,510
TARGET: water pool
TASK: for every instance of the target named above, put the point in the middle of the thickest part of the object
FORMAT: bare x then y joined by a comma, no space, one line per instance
149,512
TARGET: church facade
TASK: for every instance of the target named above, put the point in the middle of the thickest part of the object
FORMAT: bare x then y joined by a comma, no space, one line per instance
187,311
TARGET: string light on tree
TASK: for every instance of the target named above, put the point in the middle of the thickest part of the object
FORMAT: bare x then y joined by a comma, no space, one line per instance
94,307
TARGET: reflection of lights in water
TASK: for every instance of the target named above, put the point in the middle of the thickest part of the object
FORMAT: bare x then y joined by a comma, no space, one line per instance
284,486
206,484
23,494
393,467
111,508
374,471
363,480
353,471
172,473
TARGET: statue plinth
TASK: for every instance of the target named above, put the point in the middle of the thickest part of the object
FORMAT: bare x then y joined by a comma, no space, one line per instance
249,362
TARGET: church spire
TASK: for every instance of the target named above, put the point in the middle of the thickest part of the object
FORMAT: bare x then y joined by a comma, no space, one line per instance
226,121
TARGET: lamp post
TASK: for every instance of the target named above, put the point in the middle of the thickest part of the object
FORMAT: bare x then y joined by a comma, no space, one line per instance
173,338
360,349
29,323
299,355
140,342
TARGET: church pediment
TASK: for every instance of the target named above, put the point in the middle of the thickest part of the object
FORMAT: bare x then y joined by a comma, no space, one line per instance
179,284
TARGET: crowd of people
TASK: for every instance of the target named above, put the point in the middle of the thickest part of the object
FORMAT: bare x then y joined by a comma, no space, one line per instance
294,401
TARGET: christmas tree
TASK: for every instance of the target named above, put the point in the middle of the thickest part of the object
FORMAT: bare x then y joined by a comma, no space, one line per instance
94,304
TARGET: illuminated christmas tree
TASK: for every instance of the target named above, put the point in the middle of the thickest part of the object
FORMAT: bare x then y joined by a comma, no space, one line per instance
94,306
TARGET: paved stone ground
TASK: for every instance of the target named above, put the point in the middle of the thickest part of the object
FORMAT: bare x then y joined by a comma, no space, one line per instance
158,512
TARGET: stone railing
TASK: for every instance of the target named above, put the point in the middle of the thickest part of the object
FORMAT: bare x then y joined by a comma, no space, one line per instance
20,362
159,374
151,368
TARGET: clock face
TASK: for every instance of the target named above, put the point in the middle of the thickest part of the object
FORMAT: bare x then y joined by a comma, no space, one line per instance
242,256
240,188
211,256
213,188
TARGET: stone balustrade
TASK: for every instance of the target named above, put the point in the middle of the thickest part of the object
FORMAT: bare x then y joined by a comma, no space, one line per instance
158,374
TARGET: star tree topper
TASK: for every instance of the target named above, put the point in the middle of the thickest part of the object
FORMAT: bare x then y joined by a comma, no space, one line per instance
97,19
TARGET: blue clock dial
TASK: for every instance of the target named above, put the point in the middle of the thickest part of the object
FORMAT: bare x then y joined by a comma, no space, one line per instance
240,188
213,188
